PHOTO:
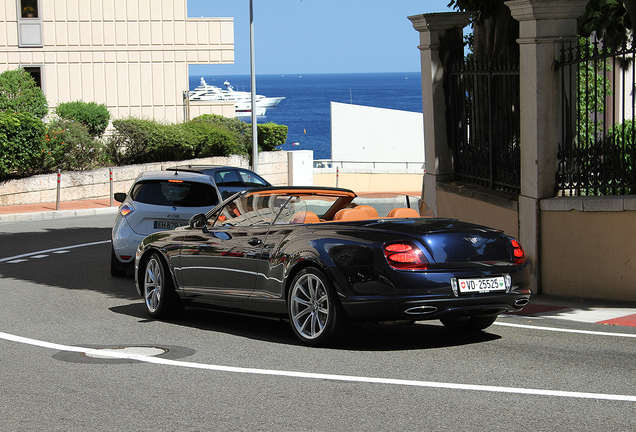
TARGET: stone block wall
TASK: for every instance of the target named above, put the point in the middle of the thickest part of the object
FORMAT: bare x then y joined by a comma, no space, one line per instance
95,184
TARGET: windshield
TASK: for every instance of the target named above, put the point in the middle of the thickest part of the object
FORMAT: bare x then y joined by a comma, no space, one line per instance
175,193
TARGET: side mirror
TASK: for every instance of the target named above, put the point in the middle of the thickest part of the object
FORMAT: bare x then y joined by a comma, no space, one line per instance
198,221
119,196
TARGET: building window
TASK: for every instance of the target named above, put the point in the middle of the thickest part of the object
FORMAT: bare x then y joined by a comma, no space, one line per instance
29,8
36,73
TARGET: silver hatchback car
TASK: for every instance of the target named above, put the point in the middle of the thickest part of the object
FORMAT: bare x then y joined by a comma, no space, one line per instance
157,201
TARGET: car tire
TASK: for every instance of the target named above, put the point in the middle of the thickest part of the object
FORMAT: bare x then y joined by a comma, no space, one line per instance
315,314
468,323
117,268
160,298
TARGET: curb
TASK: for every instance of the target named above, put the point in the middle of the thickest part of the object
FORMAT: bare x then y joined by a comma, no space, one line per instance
56,214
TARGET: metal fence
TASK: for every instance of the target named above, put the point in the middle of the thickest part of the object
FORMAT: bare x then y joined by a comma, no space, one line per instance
483,106
596,153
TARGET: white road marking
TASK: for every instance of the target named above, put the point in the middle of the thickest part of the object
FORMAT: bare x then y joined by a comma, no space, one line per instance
35,254
39,256
556,329
594,315
16,261
309,375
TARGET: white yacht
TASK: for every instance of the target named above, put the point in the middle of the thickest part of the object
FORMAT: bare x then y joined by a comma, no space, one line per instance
207,92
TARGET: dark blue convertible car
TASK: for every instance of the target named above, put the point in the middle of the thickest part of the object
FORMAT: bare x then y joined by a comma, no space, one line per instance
323,256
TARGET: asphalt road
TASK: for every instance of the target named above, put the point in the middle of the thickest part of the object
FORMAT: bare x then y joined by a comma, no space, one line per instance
60,309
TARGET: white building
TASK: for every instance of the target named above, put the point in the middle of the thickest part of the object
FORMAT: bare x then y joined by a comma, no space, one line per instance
131,55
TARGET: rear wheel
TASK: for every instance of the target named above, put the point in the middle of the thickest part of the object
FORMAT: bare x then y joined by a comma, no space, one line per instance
117,268
468,323
315,315
159,296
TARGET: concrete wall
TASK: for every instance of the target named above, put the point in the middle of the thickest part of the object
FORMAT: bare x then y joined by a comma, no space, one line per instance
95,184
370,180
479,211
368,134
588,247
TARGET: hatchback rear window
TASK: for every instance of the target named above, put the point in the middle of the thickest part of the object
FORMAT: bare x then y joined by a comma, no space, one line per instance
175,193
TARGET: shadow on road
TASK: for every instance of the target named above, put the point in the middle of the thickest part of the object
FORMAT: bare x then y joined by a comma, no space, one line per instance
80,268
357,337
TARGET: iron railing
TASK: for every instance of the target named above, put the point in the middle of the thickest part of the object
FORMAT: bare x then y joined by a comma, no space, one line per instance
484,123
596,153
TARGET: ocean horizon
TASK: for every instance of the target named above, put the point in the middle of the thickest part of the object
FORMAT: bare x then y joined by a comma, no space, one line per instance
306,108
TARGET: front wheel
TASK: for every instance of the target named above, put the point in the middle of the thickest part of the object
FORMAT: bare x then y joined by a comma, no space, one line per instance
468,323
159,295
315,315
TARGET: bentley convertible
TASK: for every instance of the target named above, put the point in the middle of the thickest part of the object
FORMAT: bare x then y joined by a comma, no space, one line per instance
323,256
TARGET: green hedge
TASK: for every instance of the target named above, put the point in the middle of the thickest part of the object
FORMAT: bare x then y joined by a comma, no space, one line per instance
142,140
22,148
94,116
27,146
20,93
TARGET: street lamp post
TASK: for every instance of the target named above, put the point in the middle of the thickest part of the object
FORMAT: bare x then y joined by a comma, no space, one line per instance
253,88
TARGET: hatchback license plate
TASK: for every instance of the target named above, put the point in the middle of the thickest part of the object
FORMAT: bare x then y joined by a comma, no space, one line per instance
482,285
168,225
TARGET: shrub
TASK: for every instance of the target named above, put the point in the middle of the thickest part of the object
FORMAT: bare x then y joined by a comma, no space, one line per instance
21,144
129,142
20,93
271,135
94,116
71,147
239,130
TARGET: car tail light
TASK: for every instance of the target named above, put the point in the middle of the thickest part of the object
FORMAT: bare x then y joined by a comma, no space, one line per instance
405,256
126,209
519,256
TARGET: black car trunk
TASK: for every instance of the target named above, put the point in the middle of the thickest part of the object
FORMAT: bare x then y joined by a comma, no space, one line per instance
455,244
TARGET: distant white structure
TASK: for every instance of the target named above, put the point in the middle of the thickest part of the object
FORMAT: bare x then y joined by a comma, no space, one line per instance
376,138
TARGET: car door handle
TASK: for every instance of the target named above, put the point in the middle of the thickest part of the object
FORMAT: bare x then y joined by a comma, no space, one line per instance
254,241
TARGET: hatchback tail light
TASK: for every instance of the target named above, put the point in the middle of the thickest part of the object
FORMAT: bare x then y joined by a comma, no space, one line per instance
126,209
405,256
519,256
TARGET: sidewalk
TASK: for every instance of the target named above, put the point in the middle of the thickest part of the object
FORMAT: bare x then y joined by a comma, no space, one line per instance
26,212
568,308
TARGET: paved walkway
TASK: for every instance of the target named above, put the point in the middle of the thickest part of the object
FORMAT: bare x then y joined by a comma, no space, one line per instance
26,212
567,308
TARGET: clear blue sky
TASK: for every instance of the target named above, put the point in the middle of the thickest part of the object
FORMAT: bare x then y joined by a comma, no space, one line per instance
320,36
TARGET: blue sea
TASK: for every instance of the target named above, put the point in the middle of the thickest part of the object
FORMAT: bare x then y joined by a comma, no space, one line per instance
306,109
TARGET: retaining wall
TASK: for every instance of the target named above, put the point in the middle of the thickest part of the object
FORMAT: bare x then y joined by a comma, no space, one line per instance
95,184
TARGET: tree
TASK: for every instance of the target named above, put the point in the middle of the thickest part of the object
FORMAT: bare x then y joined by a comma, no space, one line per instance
495,31
20,93
608,19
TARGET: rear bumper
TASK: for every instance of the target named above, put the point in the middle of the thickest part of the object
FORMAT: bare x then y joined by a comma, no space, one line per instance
433,308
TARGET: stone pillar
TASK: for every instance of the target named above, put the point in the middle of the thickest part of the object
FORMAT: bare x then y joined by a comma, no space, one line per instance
544,25
441,40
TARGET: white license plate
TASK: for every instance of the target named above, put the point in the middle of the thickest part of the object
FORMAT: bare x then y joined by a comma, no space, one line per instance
481,285
168,225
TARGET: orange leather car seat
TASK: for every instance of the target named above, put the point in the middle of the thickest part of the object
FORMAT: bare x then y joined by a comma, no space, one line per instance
350,214
305,217
370,211
403,213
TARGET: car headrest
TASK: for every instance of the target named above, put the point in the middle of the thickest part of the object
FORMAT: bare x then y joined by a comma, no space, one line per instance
403,213
351,215
370,211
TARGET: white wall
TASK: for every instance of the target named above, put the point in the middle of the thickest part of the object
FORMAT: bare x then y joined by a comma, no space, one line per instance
384,136
131,55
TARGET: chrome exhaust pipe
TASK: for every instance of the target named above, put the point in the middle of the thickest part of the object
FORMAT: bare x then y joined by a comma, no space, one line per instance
522,302
420,310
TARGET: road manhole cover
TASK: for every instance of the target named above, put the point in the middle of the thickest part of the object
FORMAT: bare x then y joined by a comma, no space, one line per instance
120,352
